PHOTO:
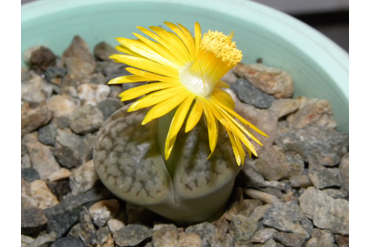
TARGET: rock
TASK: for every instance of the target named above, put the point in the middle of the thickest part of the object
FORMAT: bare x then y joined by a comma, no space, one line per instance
103,50
251,176
83,178
34,116
92,94
300,181
290,239
263,235
28,53
65,156
87,232
42,58
63,173
35,89
44,240
132,235
322,238
206,231
260,212
313,112
272,243
104,210
325,212
97,78
316,145
32,218
165,235
26,162
243,228
262,196
241,207
288,217
86,119
67,213
79,61
109,106
48,133
189,240
26,240
41,157
55,74
63,122
79,146
68,242
62,105
284,107
272,164
103,236
39,194
342,241
251,95
270,80
114,225
112,70
344,171
30,174
322,177
336,193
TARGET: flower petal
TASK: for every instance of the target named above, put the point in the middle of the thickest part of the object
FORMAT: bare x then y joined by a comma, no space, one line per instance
194,116
177,122
212,126
135,92
165,106
144,64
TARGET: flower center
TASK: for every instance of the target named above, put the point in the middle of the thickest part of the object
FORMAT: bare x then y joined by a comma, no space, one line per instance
195,82
217,54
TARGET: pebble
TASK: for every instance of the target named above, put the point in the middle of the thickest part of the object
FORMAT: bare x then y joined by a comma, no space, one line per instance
40,155
60,188
33,218
263,235
229,77
42,58
67,213
30,174
206,232
342,241
28,53
262,196
103,50
83,178
165,235
344,171
55,74
251,175
288,217
68,242
85,119
272,164
39,194
114,225
316,145
270,80
336,193
322,238
189,240
102,211
35,89
131,235
251,95
313,112
44,240
321,177
325,211
65,157
243,228
34,116
87,231
241,207
62,105
300,181
63,173
47,134
92,94
290,239
109,106
284,107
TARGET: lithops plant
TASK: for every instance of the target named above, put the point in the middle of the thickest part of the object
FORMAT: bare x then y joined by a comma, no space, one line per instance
188,188
159,158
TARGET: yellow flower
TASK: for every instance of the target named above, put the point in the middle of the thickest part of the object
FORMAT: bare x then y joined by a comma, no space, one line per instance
185,72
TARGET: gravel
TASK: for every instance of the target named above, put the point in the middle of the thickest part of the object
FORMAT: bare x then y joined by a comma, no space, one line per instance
295,194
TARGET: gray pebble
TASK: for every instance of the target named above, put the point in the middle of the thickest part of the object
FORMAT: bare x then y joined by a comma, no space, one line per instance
132,235
249,94
243,228
86,119
321,177
34,116
48,134
33,218
206,231
322,238
68,242
30,174
109,106
344,171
